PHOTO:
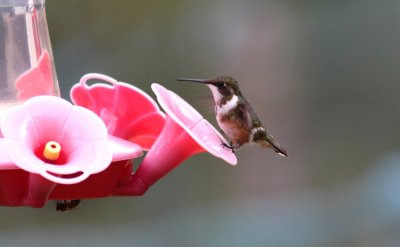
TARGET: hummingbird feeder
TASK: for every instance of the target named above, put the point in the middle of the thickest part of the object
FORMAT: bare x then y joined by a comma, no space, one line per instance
51,149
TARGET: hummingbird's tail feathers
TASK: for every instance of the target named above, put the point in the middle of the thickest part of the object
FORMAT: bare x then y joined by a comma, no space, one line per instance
280,151
275,146
264,139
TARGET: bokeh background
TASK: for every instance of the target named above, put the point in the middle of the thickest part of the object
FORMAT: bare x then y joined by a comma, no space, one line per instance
322,75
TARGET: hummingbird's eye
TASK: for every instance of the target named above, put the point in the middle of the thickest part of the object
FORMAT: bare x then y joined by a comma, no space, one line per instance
220,84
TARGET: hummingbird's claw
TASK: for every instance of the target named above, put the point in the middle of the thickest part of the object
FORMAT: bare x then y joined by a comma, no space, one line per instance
224,145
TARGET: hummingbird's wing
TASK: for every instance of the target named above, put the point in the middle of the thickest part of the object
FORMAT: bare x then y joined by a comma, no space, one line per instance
262,137
249,114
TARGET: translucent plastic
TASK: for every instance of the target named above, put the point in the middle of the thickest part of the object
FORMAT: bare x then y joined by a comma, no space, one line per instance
20,2
26,60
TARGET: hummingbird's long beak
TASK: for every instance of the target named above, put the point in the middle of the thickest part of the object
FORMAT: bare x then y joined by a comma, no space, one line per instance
192,80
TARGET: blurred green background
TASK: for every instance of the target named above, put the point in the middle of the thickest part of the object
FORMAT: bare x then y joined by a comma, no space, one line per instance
322,75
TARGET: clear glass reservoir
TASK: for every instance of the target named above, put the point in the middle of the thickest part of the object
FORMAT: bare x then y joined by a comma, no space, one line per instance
26,60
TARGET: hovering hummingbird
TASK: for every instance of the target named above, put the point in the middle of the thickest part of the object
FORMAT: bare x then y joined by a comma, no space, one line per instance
235,116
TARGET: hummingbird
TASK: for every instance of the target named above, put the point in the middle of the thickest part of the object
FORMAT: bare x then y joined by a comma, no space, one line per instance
235,116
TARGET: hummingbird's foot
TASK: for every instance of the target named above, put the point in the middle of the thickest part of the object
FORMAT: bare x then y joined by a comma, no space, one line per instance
226,146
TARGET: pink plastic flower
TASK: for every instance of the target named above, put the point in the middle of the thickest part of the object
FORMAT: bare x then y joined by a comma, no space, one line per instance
127,111
85,145
38,80
193,124
185,133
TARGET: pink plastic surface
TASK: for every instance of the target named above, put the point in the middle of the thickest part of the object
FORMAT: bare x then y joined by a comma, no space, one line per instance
100,136
81,134
127,111
86,148
198,128
37,80
185,133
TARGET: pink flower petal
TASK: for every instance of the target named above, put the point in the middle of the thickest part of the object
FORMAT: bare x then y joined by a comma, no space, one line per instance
193,123
127,111
19,116
121,148
85,144
6,163
23,156
79,129
37,80
48,114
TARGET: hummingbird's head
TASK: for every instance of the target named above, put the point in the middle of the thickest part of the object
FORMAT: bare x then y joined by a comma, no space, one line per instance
221,86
